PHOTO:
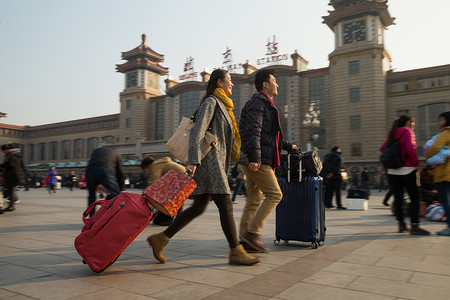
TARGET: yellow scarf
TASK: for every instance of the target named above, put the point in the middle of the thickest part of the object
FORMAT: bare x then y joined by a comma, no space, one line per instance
220,93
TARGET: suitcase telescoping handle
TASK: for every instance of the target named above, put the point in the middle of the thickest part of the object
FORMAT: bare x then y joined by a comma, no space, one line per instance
300,158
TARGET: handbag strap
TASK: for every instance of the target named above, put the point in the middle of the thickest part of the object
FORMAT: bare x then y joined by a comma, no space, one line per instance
193,117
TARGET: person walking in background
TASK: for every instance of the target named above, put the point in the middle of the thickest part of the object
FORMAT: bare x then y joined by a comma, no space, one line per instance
72,180
442,171
262,143
51,184
158,168
332,176
240,182
405,176
365,179
211,173
105,168
13,175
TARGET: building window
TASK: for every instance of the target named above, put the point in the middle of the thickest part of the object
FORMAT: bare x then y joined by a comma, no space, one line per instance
356,149
402,112
128,123
159,121
354,94
109,139
317,100
65,149
428,120
41,151
128,105
282,103
353,67
92,144
189,102
30,152
355,122
53,151
78,149
237,102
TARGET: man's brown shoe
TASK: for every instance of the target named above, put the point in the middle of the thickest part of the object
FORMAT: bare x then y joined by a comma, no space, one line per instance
254,241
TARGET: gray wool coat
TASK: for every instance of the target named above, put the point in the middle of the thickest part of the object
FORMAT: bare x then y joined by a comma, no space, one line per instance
211,174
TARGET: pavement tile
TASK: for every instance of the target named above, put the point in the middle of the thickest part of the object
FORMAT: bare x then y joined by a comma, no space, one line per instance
338,280
369,271
12,273
429,279
314,291
233,295
400,289
268,284
411,265
189,291
53,287
209,276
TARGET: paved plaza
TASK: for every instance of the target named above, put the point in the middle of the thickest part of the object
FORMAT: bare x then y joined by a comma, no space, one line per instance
363,258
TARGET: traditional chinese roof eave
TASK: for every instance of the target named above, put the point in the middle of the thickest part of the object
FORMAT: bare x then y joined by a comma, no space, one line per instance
142,64
145,50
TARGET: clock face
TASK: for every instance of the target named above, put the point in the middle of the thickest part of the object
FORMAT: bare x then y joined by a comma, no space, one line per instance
354,32
131,79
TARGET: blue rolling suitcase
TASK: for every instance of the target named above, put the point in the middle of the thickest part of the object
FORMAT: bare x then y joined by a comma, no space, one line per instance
300,215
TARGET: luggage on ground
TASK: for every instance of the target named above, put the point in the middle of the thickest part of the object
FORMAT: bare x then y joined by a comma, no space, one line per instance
120,220
300,215
112,228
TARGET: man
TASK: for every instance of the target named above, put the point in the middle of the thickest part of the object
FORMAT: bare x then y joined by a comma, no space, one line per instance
158,168
105,168
14,174
365,179
333,179
262,142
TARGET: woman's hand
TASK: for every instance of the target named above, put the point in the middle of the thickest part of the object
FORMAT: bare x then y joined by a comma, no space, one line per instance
253,166
190,169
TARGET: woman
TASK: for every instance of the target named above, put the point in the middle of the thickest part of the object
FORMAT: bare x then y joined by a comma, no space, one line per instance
405,176
52,180
442,171
216,114
14,173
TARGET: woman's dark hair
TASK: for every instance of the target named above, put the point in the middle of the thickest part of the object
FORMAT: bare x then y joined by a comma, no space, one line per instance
262,76
335,149
446,116
212,83
399,122
7,147
147,161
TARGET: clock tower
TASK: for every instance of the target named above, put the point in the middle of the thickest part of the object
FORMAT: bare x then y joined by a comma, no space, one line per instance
357,81
142,80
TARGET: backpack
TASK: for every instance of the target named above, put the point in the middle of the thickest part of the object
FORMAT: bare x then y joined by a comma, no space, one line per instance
234,171
391,157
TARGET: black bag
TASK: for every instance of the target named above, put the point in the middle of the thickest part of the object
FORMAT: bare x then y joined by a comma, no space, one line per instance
311,164
391,157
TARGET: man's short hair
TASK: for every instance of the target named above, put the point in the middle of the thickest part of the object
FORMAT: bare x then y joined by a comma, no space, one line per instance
335,148
146,162
262,76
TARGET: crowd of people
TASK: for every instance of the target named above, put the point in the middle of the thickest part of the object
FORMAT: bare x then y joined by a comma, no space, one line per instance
254,146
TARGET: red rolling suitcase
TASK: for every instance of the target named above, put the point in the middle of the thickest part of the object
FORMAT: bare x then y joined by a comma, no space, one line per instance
120,220
300,215
112,228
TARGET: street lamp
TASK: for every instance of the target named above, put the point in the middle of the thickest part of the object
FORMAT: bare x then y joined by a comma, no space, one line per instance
311,122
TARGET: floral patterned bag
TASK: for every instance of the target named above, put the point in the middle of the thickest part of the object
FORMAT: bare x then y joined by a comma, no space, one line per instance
169,192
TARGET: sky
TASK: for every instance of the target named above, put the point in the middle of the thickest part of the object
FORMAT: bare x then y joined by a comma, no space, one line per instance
58,57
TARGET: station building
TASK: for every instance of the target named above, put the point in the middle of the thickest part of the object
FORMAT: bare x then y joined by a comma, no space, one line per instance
350,103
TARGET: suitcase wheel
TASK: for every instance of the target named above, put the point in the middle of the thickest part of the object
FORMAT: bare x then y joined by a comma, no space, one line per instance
84,262
314,245
276,242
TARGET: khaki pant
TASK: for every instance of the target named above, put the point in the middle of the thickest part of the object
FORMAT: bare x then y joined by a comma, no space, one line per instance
255,213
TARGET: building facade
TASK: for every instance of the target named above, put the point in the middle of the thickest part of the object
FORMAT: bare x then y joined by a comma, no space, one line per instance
351,103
